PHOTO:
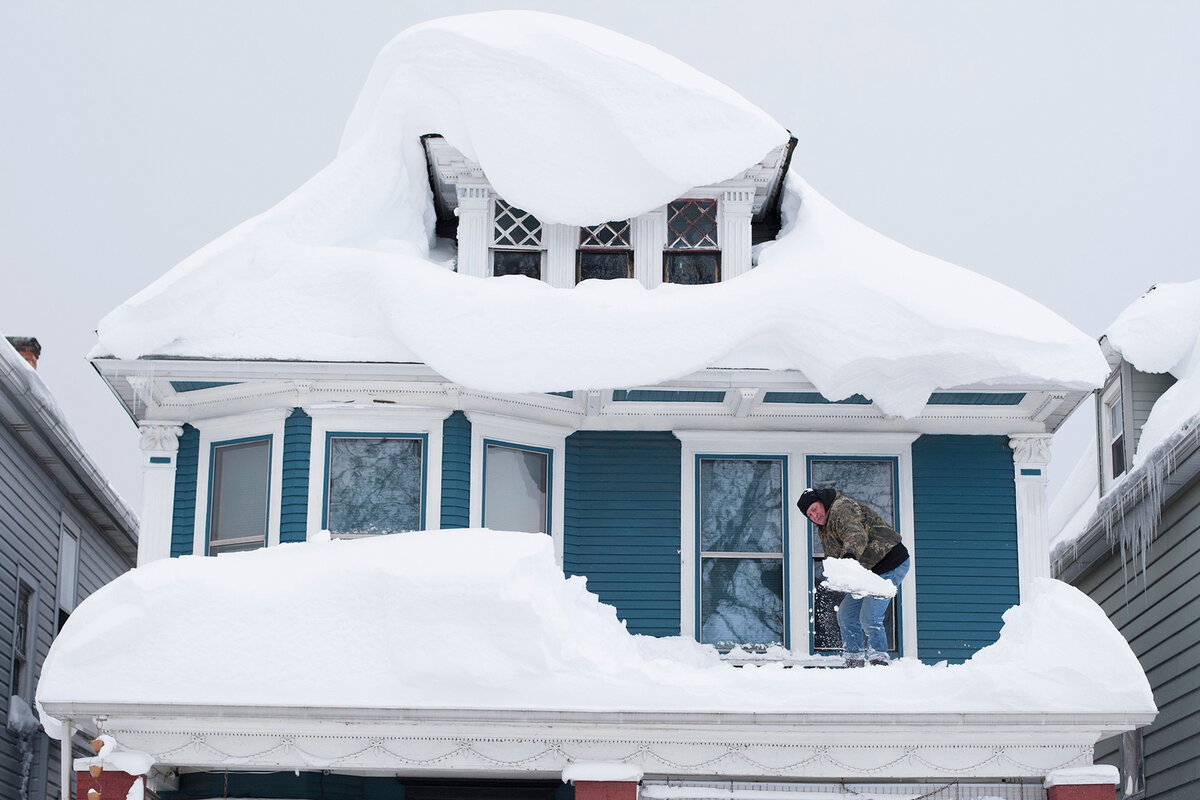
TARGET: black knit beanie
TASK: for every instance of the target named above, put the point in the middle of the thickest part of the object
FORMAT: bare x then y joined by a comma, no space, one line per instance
824,496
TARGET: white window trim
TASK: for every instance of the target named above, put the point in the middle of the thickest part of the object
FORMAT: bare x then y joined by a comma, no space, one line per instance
1109,396
26,690
518,432
268,422
67,527
796,447
382,420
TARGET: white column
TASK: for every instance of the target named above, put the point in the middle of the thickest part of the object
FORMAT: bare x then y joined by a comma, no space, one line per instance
733,232
649,239
1031,456
474,229
560,242
160,448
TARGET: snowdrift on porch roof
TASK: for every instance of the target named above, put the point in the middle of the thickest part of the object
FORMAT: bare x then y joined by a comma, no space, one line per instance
478,619
580,125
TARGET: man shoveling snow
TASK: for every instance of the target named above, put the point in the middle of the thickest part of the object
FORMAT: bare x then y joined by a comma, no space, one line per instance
850,529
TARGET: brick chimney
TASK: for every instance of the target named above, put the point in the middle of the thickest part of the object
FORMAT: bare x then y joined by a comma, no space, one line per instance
28,347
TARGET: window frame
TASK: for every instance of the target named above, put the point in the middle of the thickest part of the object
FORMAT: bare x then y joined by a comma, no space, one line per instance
701,554
499,206
583,247
669,249
23,686
580,252
811,530
376,420
223,430
67,529
521,433
212,494
547,452
796,446
1108,397
423,438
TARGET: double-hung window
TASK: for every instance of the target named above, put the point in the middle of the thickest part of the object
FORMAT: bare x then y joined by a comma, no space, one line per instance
238,495
375,483
692,255
873,481
24,637
68,573
742,543
516,487
516,242
605,252
1114,412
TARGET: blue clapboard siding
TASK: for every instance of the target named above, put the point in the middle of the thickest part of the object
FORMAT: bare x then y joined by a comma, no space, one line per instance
456,471
297,448
965,520
183,514
813,398
621,524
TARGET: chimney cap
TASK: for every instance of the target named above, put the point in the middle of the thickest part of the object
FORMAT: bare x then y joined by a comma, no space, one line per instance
25,343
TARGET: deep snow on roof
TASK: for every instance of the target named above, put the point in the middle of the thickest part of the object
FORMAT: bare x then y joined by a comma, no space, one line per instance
1158,332
478,619
580,125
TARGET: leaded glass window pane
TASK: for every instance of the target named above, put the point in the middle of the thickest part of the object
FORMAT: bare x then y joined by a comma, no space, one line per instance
238,504
517,262
375,484
741,558
692,224
874,483
610,234
515,227
605,264
515,495
692,268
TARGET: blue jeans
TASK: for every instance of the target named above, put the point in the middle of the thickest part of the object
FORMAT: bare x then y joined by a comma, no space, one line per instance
856,615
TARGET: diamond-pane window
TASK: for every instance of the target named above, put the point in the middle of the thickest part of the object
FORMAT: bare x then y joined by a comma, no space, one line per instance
516,228
692,225
610,234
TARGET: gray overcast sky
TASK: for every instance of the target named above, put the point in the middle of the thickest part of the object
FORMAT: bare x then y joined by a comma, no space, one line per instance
1048,145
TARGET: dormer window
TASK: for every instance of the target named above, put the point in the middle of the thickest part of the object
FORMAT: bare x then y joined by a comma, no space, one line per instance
605,252
692,255
516,242
1115,412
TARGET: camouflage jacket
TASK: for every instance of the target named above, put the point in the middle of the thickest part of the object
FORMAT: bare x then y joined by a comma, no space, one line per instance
853,530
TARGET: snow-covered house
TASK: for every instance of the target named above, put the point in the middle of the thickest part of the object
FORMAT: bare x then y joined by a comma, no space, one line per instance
559,283
1129,527
64,533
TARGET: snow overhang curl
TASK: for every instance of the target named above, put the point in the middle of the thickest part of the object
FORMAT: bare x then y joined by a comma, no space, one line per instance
478,619
581,125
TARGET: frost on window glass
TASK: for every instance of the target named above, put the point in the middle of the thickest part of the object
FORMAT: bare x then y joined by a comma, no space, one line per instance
873,482
741,558
374,484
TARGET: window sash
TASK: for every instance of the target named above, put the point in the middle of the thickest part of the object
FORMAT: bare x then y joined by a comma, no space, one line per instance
68,569
851,475
513,261
584,256
741,536
515,227
608,235
526,479
239,493
706,267
692,225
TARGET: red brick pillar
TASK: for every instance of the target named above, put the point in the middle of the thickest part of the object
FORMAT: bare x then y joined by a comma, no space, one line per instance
110,784
603,780
1083,783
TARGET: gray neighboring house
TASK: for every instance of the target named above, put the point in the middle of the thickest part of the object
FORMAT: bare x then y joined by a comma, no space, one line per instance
1139,558
64,533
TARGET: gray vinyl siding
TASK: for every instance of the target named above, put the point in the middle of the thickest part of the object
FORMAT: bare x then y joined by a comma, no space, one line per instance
1158,612
1144,389
32,506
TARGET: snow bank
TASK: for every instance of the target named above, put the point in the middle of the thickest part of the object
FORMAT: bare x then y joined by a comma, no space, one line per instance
579,125
1160,332
480,619
847,575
